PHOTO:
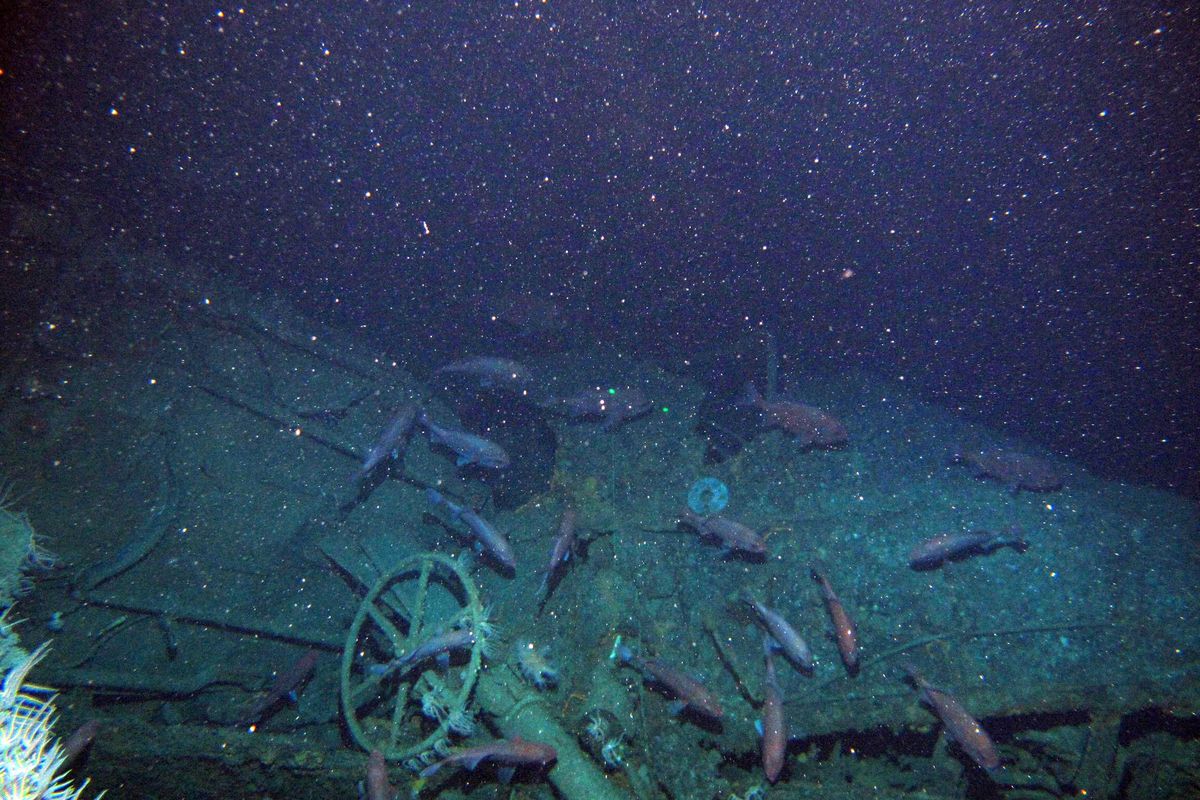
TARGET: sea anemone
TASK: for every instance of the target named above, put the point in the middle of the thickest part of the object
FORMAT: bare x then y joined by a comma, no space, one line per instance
485,632
433,706
612,754
461,722
532,664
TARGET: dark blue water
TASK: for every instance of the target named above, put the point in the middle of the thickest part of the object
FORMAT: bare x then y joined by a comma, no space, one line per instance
1011,190
945,226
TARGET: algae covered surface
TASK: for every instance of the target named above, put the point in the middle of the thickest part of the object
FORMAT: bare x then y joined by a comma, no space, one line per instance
269,539
602,401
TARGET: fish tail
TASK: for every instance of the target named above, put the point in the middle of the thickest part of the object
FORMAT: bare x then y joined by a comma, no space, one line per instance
913,673
769,647
620,653
817,570
1013,537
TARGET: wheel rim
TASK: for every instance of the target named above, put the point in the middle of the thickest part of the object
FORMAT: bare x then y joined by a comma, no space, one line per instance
419,596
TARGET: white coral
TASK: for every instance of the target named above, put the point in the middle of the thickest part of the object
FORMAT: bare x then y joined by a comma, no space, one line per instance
19,550
30,755
432,705
533,666
461,722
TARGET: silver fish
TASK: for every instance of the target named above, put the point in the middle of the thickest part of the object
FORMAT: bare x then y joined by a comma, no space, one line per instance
790,642
392,440
471,449
487,535
491,371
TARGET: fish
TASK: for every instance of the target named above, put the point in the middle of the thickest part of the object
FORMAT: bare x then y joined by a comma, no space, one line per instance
1014,469
774,728
392,440
958,722
812,427
784,635
843,627
510,753
471,449
615,405
287,683
491,372
79,741
484,532
733,535
687,691
378,787
564,546
438,646
935,551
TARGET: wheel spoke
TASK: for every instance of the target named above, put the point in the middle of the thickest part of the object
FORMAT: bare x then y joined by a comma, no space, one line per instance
393,633
398,715
416,619
393,615
357,693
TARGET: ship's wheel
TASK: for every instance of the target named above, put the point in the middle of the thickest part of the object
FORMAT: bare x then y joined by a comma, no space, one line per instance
411,712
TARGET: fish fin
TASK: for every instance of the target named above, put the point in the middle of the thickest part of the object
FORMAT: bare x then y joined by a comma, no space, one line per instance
473,762
758,727
676,707
462,461
505,774
443,660
292,697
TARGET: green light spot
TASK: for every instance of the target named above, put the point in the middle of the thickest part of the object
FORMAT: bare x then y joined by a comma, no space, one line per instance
666,410
612,391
